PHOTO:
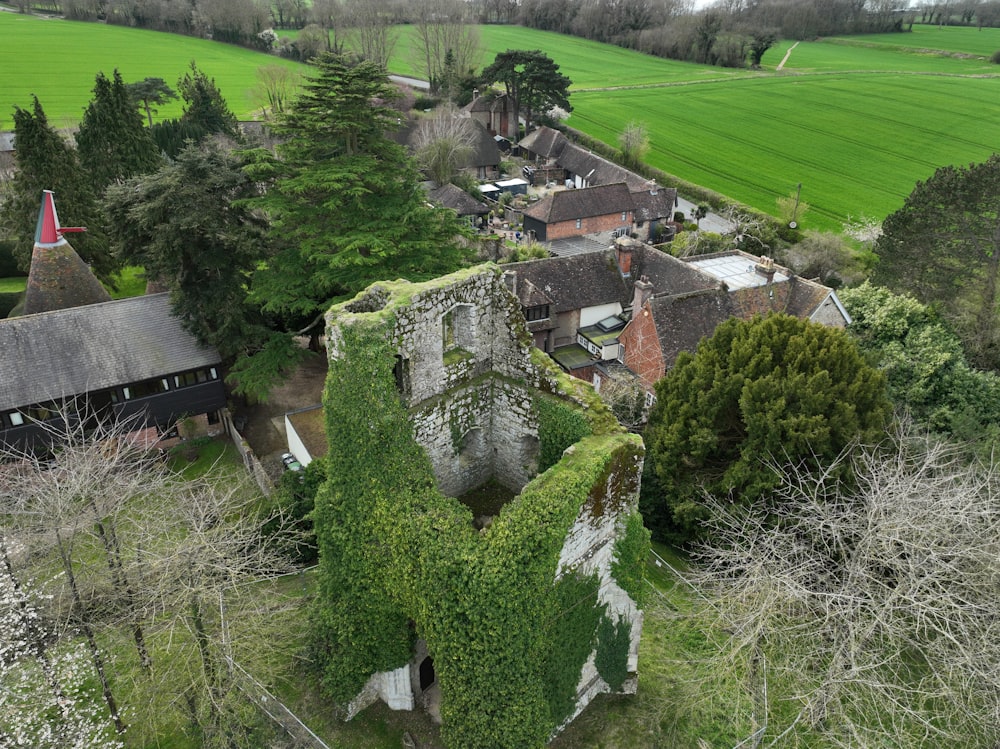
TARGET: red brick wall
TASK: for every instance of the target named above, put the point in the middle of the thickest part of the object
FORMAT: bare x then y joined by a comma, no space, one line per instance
643,354
590,225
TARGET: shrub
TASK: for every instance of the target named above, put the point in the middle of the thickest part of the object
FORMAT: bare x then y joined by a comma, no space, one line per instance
995,57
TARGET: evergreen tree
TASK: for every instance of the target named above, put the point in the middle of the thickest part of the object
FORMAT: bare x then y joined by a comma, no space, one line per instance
770,389
204,107
47,162
185,226
343,198
113,141
205,113
943,246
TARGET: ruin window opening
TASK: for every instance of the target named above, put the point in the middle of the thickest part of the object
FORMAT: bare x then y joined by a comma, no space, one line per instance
458,332
401,372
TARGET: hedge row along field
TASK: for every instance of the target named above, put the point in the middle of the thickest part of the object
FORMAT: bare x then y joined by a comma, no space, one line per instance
858,121
57,60
858,126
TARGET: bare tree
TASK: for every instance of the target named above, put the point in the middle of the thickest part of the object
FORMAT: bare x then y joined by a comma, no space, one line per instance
444,143
634,142
142,553
276,86
873,605
43,702
447,43
373,33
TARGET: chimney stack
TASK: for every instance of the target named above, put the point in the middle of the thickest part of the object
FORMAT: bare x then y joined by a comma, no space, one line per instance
765,267
642,292
625,247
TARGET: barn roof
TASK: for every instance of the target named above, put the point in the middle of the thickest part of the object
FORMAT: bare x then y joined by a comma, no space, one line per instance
70,352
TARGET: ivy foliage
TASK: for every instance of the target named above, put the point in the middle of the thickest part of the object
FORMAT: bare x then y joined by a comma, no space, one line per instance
575,619
398,559
559,426
612,651
629,562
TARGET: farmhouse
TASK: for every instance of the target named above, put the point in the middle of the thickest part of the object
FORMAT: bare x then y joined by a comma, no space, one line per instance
573,213
641,307
478,403
74,348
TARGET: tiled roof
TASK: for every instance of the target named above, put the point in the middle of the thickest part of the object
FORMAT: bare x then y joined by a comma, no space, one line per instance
458,200
682,321
577,281
567,205
598,170
650,207
74,351
669,275
547,142
59,279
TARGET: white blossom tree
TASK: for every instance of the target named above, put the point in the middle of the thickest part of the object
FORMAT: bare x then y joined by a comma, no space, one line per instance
44,703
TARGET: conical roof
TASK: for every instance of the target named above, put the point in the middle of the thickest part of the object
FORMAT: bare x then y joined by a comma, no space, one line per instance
58,278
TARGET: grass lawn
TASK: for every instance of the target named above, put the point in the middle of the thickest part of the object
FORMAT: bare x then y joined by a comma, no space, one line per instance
57,61
13,284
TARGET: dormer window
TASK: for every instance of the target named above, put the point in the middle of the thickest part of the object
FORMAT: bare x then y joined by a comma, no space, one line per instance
541,312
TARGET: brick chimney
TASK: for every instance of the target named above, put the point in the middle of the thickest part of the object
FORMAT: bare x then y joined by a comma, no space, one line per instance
625,248
642,292
765,267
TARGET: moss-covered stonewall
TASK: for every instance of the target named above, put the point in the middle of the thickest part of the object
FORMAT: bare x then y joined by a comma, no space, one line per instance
400,560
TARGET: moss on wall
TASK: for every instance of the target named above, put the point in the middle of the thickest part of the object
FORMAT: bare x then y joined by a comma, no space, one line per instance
399,559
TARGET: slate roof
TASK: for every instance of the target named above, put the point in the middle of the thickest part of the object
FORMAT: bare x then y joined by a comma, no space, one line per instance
458,200
649,207
598,170
74,351
546,142
669,275
808,296
575,282
568,205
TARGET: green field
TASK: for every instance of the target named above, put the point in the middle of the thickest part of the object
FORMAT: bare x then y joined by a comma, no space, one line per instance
927,37
857,125
57,60
858,121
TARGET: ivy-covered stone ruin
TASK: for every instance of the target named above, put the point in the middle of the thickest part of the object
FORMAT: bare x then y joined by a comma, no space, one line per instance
506,620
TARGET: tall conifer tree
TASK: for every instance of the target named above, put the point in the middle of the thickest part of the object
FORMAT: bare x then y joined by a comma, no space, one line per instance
113,141
47,162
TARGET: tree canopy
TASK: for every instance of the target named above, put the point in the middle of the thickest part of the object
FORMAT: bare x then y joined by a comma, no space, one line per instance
532,81
47,162
925,368
943,246
185,226
113,141
776,388
344,201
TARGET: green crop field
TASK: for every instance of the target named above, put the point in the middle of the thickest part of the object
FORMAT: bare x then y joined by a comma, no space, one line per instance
858,121
857,124
928,38
57,60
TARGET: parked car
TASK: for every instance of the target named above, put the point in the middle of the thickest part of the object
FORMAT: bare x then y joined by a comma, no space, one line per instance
291,462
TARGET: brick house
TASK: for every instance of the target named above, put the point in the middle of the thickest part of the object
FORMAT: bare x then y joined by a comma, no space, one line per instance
664,305
495,113
573,213
661,326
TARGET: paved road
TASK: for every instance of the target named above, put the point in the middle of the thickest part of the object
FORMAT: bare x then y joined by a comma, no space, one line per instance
712,222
